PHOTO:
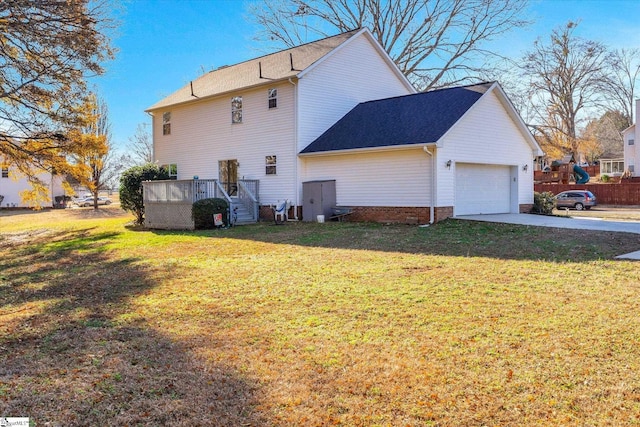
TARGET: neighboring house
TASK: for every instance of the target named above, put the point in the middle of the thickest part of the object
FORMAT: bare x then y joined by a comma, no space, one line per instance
631,140
611,165
306,114
13,183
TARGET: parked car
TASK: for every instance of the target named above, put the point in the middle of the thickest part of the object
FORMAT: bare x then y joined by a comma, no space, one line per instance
578,199
88,201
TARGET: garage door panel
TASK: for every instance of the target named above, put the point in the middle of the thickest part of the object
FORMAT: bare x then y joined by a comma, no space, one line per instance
482,189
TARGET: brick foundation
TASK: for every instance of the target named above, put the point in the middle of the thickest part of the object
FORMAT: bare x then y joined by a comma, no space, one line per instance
266,213
384,214
526,208
387,214
443,212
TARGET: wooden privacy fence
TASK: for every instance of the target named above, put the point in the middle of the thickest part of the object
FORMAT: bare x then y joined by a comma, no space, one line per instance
606,194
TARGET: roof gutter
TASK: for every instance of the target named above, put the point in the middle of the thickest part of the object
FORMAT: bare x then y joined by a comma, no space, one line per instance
367,149
218,94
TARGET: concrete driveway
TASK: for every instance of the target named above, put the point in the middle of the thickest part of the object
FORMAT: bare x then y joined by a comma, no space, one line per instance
596,224
559,222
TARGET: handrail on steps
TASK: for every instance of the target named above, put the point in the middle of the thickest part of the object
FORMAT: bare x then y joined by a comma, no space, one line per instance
222,190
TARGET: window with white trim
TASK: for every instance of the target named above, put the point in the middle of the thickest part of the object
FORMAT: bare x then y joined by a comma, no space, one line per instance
236,109
166,123
270,165
172,170
611,166
632,141
273,98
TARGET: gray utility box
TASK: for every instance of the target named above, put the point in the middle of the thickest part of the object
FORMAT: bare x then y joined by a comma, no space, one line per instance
318,197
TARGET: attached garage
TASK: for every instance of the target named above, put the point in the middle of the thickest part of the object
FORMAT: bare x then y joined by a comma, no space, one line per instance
482,189
473,155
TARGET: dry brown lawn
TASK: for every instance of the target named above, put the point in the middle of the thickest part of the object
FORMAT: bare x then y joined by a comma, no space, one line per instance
458,324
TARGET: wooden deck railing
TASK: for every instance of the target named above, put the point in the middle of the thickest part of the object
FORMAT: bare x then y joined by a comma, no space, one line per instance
168,203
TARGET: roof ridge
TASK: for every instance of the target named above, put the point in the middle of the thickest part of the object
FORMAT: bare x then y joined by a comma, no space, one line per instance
393,122
486,82
282,51
276,66
426,92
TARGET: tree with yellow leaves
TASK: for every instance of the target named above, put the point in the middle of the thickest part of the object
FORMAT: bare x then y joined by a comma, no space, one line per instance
91,164
48,49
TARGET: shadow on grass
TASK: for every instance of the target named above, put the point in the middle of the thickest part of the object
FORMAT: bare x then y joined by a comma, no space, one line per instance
448,238
103,211
74,352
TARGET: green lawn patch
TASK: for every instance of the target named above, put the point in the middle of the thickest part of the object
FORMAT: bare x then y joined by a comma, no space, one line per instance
459,323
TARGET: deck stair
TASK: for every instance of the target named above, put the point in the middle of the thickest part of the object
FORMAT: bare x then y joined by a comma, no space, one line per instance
244,216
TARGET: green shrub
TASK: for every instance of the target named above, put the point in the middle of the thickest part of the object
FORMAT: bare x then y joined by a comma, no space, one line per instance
203,210
131,198
543,203
604,178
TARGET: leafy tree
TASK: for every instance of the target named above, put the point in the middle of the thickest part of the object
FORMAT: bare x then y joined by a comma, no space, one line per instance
95,166
131,195
433,42
543,203
606,135
48,49
565,77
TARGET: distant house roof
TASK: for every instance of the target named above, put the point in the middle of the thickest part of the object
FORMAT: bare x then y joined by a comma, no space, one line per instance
276,66
421,118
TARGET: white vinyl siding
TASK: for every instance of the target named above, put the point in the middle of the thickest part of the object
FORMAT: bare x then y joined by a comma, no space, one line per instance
202,132
487,135
389,178
16,183
206,135
356,73
631,151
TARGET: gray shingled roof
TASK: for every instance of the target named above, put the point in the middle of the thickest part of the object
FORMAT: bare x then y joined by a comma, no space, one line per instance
276,66
420,118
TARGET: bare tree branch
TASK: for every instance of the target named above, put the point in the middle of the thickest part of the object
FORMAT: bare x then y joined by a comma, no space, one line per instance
621,85
565,77
141,146
433,42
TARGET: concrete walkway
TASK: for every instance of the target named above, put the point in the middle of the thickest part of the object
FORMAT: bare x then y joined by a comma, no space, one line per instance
568,222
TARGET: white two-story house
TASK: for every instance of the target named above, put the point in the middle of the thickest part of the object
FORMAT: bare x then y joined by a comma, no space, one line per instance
338,111
14,186
631,138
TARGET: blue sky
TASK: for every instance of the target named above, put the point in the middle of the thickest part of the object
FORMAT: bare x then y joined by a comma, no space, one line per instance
163,44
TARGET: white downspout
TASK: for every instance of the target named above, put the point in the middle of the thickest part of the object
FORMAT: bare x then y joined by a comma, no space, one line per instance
295,148
433,184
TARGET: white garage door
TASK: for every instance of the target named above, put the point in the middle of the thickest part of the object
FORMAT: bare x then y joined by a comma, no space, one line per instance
482,189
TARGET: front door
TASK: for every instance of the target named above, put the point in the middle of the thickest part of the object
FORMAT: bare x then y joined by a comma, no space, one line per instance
228,175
